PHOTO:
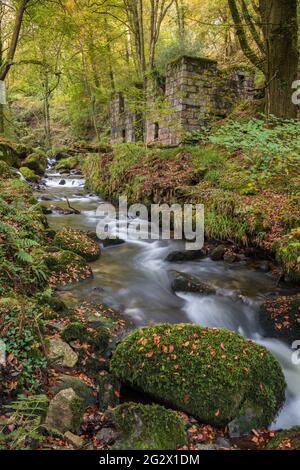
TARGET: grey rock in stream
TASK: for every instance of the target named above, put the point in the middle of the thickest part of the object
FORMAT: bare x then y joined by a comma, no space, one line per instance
178,256
183,282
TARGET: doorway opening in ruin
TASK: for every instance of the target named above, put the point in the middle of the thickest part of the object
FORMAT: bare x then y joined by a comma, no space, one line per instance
124,135
156,131
242,79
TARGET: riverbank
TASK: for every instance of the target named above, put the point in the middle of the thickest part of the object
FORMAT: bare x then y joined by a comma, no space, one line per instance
255,209
69,343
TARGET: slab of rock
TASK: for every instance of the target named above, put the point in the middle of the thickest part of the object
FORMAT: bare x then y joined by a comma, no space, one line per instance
65,412
183,282
178,256
81,388
112,242
61,353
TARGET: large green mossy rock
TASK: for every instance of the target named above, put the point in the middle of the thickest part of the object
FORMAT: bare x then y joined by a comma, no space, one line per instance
29,175
78,242
209,373
147,427
36,162
280,317
8,153
70,163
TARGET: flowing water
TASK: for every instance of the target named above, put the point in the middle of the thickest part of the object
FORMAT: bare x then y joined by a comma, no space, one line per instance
134,278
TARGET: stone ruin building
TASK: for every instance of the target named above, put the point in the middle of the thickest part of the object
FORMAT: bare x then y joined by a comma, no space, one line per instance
196,92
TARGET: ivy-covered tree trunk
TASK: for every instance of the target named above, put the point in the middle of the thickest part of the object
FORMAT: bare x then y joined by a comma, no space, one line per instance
281,36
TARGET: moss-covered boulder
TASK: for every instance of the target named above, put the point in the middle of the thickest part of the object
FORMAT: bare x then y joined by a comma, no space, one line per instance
148,427
66,268
70,163
79,386
101,340
183,282
109,325
75,331
28,174
8,153
208,373
78,242
36,162
280,317
61,354
286,440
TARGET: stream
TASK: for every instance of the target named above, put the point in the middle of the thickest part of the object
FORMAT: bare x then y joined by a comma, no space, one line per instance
135,279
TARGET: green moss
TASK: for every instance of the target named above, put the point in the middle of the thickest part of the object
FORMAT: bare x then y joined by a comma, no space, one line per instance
80,388
8,153
70,163
36,162
65,267
288,254
209,373
28,174
5,171
21,335
281,317
286,440
78,242
101,340
109,391
75,331
77,408
148,427
17,192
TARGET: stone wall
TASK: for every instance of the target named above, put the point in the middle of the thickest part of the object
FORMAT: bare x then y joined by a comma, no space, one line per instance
196,92
126,124
117,122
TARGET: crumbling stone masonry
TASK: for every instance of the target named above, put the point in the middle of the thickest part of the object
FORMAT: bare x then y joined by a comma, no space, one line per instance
126,124
196,93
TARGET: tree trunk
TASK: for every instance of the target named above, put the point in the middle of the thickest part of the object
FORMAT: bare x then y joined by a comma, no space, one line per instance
282,57
47,124
2,128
